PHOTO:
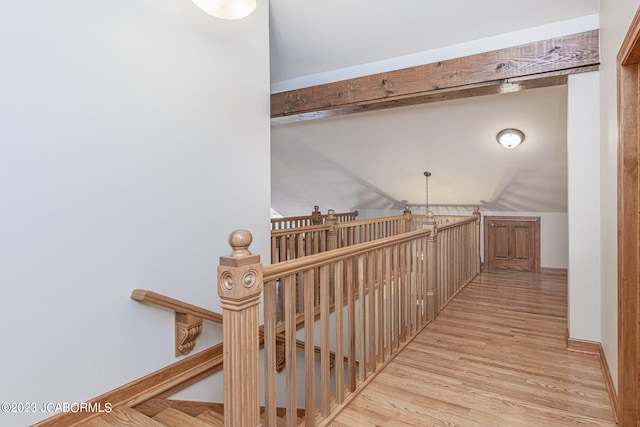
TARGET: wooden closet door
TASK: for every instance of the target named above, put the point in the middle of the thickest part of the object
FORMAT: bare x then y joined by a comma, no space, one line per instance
512,243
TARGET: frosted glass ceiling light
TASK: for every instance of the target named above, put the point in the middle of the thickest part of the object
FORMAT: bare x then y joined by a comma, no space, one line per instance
227,9
510,138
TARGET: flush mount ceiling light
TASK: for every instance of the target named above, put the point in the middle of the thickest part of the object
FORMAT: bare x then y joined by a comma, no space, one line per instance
510,138
227,9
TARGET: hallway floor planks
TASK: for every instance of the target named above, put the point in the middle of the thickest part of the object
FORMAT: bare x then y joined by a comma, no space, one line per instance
495,356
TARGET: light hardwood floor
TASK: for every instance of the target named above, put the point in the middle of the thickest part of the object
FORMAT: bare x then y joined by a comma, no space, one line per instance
494,357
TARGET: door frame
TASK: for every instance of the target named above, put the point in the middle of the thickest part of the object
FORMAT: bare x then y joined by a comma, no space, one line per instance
628,64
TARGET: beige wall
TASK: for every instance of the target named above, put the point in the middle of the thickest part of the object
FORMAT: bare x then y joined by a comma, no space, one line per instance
125,128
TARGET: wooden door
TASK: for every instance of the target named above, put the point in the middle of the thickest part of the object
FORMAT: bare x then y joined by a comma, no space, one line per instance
512,243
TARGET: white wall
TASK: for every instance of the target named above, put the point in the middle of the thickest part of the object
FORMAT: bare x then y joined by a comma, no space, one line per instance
554,243
134,136
583,147
615,18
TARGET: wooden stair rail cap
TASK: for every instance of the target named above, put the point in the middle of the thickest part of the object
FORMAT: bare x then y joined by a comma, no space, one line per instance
240,273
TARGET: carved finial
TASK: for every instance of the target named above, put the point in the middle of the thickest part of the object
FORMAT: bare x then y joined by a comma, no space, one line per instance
316,208
331,213
430,216
240,240
407,210
476,210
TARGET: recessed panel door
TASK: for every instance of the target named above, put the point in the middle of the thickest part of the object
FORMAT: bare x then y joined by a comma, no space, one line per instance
512,243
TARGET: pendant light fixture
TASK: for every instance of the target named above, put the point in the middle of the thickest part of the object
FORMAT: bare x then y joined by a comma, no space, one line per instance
427,174
510,138
227,9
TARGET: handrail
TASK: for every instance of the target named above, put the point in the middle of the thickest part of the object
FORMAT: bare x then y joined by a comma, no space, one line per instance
273,271
188,318
155,298
461,220
286,231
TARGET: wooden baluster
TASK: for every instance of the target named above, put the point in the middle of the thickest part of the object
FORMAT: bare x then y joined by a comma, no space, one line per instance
282,248
371,320
476,242
290,349
432,267
309,350
413,298
270,359
417,303
380,306
396,297
325,369
274,250
351,322
332,243
362,354
239,288
339,309
388,320
403,284
291,246
407,286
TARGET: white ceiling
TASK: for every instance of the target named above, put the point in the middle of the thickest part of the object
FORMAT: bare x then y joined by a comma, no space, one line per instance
376,160
309,37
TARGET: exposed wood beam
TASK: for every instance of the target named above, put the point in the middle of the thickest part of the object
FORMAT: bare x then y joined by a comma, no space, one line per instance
533,65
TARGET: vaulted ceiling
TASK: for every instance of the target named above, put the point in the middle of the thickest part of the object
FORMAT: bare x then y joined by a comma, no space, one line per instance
375,160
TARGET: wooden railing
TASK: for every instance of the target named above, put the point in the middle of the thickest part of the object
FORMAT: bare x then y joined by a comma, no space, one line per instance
356,232
457,263
360,304
294,243
316,218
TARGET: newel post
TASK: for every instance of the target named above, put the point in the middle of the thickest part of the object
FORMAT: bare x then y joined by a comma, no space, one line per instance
407,221
316,216
476,213
332,233
239,288
432,266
